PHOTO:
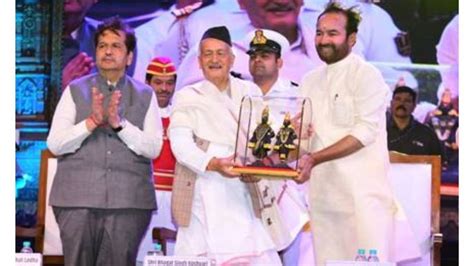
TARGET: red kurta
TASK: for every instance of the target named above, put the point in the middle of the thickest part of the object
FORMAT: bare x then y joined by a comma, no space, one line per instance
163,166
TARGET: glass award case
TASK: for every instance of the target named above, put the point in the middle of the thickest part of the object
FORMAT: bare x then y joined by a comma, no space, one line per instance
272,134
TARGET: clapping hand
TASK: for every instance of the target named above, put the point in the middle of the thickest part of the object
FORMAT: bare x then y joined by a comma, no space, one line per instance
96,118
113,109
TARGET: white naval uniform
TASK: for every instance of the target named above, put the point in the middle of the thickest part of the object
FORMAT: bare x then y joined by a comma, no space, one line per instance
150,39
376,33
375,37
351,201
292,203
162,35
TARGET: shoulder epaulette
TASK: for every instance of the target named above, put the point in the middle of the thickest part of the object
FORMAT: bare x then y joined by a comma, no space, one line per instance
236,74
185,11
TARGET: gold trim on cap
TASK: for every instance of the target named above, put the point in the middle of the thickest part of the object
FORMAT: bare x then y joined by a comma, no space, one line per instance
161,73
161,64
259,39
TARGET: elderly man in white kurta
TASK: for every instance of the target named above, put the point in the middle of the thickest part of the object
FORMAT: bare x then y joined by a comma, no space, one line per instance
352,205
222,225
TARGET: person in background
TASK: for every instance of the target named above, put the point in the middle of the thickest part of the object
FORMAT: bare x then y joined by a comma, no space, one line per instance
78,50
105,131
78,47
161,76
404,133
172,31
294,20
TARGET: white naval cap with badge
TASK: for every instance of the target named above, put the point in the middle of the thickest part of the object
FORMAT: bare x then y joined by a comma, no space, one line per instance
279,98
266,41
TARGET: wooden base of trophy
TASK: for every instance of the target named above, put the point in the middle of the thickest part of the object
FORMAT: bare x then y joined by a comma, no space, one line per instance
267,172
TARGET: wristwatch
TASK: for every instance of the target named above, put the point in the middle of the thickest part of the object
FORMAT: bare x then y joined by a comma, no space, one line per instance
120,127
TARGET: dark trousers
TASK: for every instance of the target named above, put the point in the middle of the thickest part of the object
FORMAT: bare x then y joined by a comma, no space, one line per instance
101,236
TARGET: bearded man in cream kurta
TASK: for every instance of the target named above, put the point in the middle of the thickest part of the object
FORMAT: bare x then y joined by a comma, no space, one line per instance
352,204
222,223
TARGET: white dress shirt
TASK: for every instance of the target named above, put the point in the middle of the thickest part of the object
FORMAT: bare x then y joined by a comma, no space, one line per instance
66,136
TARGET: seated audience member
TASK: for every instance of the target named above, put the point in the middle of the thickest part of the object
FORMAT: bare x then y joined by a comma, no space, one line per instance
404,133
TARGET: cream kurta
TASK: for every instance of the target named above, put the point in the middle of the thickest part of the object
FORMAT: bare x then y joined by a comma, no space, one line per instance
352,205
223,225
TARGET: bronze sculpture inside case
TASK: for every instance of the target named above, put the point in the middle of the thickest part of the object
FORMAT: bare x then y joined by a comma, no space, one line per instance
261,141
269,150
285,141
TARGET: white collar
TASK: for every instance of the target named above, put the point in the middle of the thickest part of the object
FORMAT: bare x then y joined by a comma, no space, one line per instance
110,83
281,85
74,33
166,111
341,64
299,39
